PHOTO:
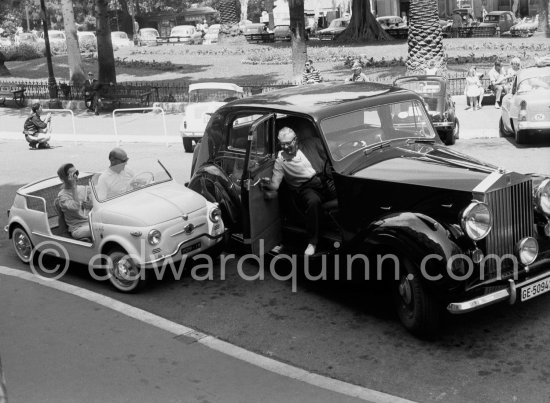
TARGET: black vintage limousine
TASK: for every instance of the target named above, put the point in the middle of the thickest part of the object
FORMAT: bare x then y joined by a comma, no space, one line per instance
461,233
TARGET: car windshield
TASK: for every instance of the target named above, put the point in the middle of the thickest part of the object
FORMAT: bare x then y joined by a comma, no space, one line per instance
182,31
119,35
213,30
534,84
56,35
492,18
149,33
27,37
427,88
125,178
351,132
212,95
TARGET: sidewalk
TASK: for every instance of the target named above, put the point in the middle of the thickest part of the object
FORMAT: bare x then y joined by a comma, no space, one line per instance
150,126
60,343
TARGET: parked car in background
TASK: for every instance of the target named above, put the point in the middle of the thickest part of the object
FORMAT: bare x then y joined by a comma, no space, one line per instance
438,103
525,27
154,222
87,40
242,24
258,33
204,99
427,218
5,41
120,39
282,33
30,39
187,34
391,21
525,111
57,38
212,34
337,26
502,20
147,37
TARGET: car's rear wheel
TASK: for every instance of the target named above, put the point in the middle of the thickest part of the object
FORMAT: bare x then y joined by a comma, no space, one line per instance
22,244
188,145
124,274
417,310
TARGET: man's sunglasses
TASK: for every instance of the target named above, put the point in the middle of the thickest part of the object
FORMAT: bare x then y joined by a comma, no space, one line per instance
125,160
75,173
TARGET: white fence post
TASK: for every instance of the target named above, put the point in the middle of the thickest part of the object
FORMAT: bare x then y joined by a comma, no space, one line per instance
72,120
151,108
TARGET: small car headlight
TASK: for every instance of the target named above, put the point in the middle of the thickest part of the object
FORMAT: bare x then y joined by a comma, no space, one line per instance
215,215
528,250
542,196
477,220
154,237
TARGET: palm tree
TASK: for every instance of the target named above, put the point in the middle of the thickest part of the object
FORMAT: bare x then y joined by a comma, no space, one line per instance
73,50
298,37
425,39
363,25
105,55
228,13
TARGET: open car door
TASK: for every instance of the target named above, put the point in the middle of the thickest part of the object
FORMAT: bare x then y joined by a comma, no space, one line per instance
262,222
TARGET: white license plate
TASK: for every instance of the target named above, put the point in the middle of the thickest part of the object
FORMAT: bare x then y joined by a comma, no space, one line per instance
535,289
190,248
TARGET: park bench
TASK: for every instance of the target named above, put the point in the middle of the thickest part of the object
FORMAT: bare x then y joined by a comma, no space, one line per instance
115,96
17,94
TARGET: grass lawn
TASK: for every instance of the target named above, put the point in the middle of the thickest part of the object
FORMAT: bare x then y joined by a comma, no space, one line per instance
224,61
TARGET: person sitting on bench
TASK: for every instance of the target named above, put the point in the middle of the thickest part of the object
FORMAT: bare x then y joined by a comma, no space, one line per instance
35,129
73,202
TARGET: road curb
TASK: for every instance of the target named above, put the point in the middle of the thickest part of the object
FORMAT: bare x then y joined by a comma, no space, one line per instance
211,342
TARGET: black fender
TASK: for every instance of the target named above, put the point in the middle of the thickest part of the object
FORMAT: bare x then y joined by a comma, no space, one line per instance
418,238
217,187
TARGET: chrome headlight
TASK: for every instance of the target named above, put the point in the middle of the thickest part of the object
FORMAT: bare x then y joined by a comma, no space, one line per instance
477,220
154,237
542,197
215,215
527,250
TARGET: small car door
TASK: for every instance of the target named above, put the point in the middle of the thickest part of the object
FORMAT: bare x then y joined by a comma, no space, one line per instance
263,229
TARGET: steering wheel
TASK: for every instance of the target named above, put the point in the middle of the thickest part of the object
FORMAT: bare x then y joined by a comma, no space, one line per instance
142,179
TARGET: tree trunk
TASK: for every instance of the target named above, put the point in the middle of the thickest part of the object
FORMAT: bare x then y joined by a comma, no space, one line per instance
126,18
4,72
543,16
269,8
425,39
105,55
244,10
228,13
363,26
76,75
298,37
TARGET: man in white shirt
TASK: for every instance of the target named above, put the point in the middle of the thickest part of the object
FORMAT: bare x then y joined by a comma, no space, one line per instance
305,184
498,82
116,179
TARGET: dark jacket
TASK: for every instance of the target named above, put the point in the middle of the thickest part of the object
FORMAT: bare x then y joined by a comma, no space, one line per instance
34,123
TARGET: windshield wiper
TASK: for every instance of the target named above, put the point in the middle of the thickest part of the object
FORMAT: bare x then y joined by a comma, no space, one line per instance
420,140
378,146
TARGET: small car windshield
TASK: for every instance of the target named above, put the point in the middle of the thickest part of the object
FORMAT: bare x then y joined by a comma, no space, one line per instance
182,31
57,35
534,83
128,177
212,95
426,88
492,18
119,35
350,132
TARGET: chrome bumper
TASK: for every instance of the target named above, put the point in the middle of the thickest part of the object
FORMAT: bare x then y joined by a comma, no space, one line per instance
509,294
526,125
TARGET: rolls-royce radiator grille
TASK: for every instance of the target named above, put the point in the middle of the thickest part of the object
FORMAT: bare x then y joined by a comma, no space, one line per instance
512,219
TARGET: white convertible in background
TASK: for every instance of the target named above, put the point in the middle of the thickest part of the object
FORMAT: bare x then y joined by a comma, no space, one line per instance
204,99
154,221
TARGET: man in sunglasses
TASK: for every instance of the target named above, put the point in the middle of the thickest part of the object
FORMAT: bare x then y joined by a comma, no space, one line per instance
311,75
116,179
301,166
73,202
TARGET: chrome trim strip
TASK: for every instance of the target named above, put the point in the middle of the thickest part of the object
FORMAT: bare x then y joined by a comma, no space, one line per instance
486,183
64,239
497,296
534,125
184,231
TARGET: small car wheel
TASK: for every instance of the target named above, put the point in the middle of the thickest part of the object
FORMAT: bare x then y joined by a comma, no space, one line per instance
124,274
22,245
188,145
417,310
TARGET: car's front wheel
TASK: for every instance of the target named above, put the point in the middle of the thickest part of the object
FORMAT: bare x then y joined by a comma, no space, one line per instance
188,145
124,274
22,244
417,310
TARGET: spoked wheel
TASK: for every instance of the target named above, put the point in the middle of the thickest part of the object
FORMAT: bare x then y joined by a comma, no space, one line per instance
124,274
22,245
417,310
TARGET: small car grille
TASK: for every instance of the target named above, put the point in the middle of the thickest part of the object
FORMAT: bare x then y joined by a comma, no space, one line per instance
512,221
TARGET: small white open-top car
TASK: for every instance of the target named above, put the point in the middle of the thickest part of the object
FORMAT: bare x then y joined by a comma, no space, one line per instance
153,222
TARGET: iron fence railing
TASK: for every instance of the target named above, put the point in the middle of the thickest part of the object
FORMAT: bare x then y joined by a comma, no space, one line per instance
178,92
